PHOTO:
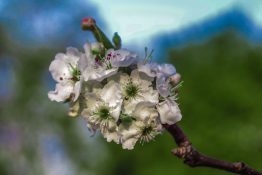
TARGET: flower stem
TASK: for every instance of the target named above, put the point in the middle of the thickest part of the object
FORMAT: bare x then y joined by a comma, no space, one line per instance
90,24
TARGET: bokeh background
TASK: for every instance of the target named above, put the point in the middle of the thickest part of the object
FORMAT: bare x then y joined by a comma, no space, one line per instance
215,45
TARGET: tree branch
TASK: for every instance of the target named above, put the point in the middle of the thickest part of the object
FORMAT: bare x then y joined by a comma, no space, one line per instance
193,158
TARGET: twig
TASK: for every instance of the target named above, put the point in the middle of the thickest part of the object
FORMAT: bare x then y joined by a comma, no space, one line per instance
193,158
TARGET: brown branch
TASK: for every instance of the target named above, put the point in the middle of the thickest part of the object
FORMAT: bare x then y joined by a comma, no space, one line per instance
193,158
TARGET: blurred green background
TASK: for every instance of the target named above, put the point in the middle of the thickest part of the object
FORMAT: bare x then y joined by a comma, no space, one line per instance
220,101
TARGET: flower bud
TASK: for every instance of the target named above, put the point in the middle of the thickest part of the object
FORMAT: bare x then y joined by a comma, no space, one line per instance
175,79
88,23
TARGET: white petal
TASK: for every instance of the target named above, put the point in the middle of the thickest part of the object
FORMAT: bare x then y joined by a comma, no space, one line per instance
115,112
149,95
111,94
129,136
129,144
121,58
92,102
111,136
60,67
72,52
61,93
107,73
98,74
169,112
88,51
110,133
121,78
77,90
83,62
149,68
60,70
167,69
162,85
141,78
145,111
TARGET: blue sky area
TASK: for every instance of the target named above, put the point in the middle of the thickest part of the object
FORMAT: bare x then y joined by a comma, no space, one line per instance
138,19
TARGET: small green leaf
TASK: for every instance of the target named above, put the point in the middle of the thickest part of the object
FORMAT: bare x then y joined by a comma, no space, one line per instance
117,41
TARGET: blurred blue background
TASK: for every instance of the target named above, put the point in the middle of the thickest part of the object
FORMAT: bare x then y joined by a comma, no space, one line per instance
215,45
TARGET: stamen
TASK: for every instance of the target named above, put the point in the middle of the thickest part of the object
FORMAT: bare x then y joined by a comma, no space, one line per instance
147,134
103,112
75,72
131,90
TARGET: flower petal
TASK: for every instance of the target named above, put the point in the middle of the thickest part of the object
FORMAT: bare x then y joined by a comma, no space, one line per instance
77,90
169,112
149,68
129,136
72,52
121,58
111,136
60,70
62,92
162,85
145,111
167,69
111,94
98,74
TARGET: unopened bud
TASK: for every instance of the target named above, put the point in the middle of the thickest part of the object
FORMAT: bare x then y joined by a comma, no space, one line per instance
74,109
175,79
88,23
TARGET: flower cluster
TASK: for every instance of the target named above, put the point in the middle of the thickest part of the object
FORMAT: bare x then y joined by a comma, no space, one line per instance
126,98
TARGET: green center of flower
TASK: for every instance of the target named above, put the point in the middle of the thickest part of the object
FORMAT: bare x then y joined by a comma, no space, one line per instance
131,90
147,130
75,72
76,75
103,112
147,134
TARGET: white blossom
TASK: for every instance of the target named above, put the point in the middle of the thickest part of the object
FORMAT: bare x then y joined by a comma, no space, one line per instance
162,72
103,110
95,69
135,88
126,100
144,127
65,71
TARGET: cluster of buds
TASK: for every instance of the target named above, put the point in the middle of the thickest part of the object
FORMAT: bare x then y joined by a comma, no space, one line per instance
125,97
